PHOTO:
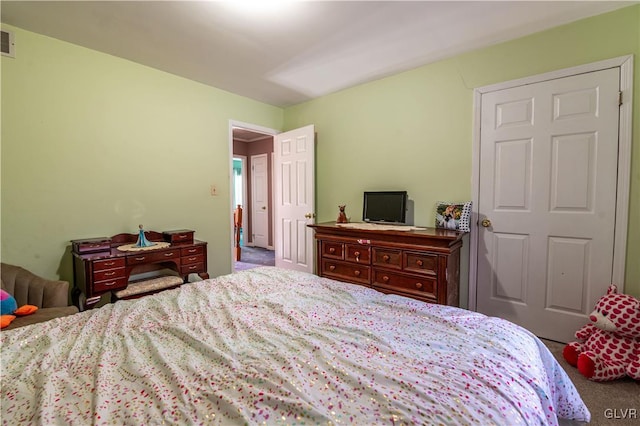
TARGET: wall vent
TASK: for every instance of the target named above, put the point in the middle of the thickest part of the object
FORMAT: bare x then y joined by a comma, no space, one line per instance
8,45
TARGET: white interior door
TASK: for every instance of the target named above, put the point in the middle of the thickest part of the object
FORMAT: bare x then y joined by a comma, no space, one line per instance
294,165
547,186
259,201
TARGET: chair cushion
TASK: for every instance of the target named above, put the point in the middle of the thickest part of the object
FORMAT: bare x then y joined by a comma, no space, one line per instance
41,315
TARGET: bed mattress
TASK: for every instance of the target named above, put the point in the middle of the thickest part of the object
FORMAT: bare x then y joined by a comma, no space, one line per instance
271,346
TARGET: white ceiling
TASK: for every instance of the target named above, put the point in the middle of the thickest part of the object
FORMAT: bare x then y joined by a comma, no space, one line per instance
302,51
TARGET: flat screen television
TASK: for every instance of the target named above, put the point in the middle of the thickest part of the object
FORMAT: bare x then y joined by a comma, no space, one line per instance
385,207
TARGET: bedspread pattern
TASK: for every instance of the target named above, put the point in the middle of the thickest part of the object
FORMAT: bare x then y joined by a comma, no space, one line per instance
280,347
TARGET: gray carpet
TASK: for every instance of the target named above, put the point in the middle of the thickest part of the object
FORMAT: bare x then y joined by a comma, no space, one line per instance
610,403
253,257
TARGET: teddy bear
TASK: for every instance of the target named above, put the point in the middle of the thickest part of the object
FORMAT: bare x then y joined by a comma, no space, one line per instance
608,348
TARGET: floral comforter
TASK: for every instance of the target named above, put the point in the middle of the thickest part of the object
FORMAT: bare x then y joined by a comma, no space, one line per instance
270,346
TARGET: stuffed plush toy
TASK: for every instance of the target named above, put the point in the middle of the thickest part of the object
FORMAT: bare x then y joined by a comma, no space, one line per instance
608,348
9,309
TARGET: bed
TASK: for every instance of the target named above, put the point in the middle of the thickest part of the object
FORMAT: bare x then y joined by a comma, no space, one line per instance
272,346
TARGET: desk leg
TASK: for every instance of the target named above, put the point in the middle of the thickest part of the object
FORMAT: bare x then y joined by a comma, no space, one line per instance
76,294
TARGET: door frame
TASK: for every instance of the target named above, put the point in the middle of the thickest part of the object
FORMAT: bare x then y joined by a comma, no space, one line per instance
255,128
625,63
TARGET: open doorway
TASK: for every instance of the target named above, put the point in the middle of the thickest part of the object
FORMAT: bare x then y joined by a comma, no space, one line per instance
251,190
239,182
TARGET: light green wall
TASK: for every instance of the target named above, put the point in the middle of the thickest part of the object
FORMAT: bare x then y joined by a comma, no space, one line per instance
413,130
93,145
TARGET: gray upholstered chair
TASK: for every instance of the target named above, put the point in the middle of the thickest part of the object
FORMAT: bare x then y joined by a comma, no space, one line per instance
50,296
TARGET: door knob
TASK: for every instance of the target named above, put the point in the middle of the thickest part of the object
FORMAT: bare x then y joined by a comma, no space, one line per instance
264,207
486,223
310,215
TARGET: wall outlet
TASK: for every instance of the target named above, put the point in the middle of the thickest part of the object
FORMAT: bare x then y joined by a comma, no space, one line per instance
214,190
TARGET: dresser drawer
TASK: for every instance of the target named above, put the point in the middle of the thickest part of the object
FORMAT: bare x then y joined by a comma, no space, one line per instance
332,249
358,253
190,269
108,274
421,263
188,260
346,271
424,286
109,285
388,258
101,265
190,251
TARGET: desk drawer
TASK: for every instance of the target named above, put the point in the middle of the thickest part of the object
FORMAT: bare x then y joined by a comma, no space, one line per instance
190,251
180,236
101,265
109,285
166,255
190,269
92,245
149,257
108,274
189,260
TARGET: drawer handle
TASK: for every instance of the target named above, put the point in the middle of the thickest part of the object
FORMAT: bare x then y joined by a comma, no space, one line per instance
191,268
356,273
110,284
94,245
419,262
386,258
357,255
168,254
109,274
109,263
191,259
332,250
192,250
418,285
332,267
182,237
140,259
385,278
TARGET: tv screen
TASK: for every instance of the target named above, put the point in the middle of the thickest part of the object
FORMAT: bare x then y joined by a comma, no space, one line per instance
385,206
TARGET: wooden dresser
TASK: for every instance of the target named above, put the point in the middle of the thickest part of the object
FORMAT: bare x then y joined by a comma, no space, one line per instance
423,264
100,268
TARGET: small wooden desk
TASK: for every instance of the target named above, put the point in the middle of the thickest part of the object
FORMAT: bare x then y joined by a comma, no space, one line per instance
100,268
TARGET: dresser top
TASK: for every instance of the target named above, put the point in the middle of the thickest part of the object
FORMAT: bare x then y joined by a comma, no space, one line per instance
416,235
390,229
